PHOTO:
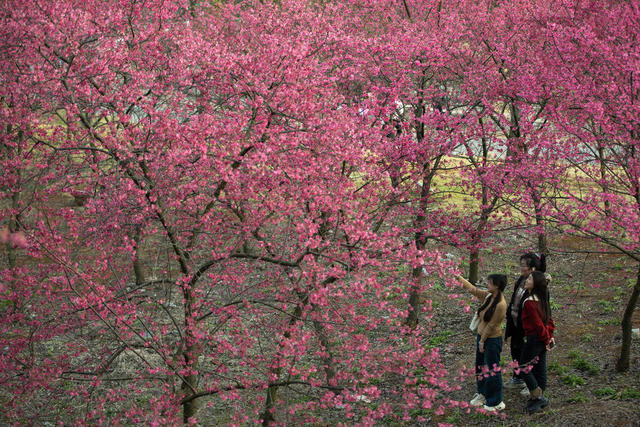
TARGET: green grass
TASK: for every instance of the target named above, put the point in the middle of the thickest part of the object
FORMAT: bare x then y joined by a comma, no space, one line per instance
454,418
554,305
578,398
605,392
572,380
439,339
437,287
419,412
557,368
607,306
609,322
391,421
574,354
620,292
631,282
611,393
584,365
479,416
587,338
630,393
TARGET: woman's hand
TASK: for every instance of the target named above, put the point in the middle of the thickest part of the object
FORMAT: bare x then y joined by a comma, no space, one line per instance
481,347
552,343
465,283
508,341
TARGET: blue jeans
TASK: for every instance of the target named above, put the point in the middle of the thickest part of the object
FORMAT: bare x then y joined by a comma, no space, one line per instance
534,353
488,363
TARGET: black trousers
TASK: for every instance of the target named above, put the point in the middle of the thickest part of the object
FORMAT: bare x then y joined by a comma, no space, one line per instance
534,363
517,342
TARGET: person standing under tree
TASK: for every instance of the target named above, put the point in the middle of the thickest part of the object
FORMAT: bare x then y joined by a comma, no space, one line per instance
489,341
514,334
538,339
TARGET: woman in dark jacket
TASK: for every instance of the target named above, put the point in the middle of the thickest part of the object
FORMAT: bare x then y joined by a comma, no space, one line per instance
514,334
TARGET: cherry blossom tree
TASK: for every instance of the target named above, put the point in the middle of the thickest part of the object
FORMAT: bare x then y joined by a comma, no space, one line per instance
224,211
197,242
593,56
404,93
516,97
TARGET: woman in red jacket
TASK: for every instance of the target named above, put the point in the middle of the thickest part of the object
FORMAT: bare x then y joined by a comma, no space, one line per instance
538,329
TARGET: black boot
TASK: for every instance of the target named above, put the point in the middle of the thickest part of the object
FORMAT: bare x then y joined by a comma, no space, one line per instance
534,405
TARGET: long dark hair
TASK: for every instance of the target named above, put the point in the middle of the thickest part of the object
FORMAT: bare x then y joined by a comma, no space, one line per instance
541,291
499,281
539,261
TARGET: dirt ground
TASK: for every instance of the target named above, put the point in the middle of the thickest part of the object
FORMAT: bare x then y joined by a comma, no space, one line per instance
588,293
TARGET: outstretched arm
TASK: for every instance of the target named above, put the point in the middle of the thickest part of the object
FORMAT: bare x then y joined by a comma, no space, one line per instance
472,289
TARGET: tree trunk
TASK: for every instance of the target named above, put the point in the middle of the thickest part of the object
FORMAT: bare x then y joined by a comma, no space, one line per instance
15,198
13,227
487,208
189,409
622,363
190,384
542,234
272,391
603,177
328,359
420,242
414,298
542,242
474,263
137,261
269,403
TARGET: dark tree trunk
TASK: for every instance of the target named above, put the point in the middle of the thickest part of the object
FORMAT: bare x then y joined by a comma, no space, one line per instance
137,260
474,263
191,352
543,247
420,242
622,363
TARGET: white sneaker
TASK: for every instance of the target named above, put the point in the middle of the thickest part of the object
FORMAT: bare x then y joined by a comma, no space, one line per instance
478,400
499,407
525,392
